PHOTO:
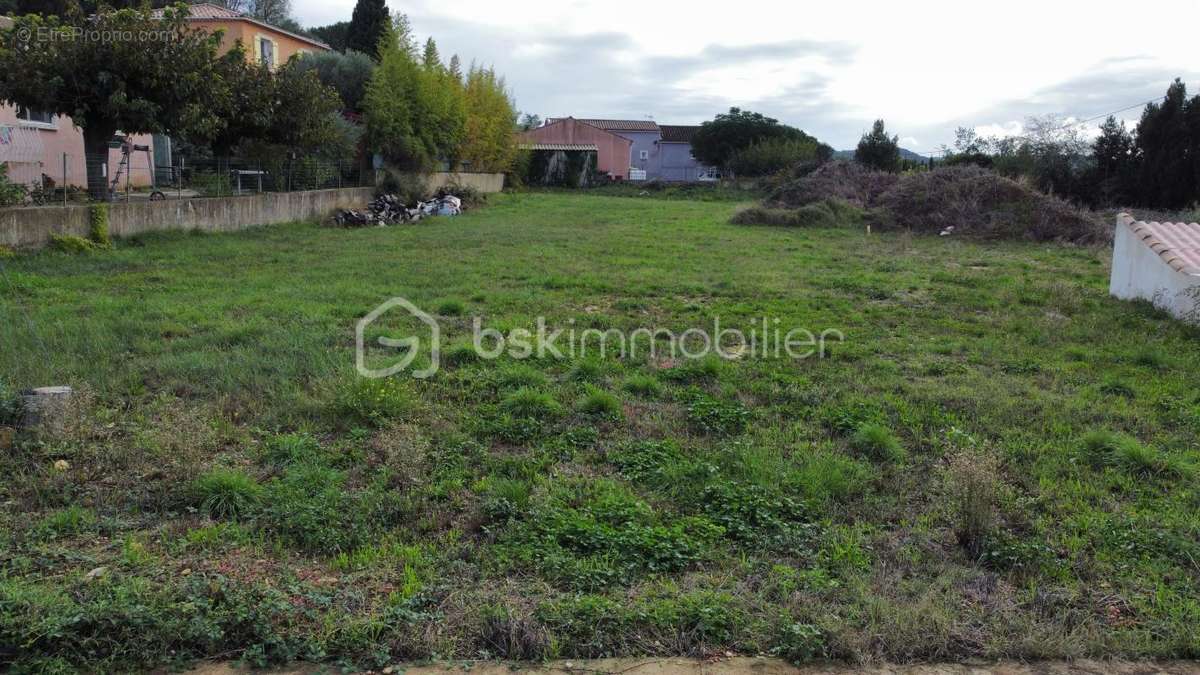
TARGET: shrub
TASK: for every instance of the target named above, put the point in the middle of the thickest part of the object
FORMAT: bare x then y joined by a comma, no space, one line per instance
98,225
877,442
972,479
373,401
826,213
11,193
225,493
69,243
772,155
847,181
982,203
642,385
600,403
531,403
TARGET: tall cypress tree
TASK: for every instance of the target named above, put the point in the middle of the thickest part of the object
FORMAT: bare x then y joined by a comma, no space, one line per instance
1168,173
367,25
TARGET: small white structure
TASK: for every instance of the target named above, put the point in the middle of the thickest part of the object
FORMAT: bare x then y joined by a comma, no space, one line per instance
1159,262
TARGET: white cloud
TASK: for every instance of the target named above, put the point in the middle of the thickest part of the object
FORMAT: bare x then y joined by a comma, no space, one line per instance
830,68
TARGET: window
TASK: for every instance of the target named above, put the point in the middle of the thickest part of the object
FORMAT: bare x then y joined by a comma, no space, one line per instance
644,154
35,116
266,51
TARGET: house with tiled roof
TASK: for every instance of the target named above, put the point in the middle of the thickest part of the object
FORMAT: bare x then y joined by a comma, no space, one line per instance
1158,262
266,44
656,152
38,147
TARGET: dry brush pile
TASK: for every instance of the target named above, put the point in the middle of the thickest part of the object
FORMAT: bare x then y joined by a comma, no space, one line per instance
964,200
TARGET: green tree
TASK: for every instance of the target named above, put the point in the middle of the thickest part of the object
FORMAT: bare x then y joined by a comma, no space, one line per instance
349,73
1168,171
441,107
368,25
305,110
244,103
489,143
878,150
334,34
141,85
1116,159
390,105
719,139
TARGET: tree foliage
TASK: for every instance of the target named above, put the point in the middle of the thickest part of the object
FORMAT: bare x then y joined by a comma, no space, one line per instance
348,73
1156,166
878,150
774,155
719,139
368,27
161,81
334,34
420,113
489,144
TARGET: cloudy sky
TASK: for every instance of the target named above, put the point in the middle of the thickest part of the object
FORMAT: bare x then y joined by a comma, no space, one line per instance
828,68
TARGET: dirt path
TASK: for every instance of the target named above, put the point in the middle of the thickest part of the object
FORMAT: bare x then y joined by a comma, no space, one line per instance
742,666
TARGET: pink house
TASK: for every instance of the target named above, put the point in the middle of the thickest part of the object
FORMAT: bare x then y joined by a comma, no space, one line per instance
612,151
33,143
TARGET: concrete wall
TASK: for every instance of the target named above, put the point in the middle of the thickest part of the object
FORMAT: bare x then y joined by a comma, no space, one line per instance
32,227
1140,273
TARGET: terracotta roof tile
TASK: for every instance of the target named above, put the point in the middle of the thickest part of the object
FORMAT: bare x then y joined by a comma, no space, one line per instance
677,133
1176,243
558,146
204,10
618,125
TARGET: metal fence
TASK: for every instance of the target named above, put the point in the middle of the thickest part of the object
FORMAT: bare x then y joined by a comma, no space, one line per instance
135,176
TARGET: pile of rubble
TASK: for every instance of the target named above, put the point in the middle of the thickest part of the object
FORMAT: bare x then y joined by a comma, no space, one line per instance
391,210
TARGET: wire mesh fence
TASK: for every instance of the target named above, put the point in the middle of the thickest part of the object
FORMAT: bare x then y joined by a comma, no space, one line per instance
134,175
227,176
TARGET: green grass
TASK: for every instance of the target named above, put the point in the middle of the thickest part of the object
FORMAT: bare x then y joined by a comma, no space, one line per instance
997,462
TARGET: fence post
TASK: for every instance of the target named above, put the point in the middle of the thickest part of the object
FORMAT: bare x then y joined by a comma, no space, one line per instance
64,180
179,182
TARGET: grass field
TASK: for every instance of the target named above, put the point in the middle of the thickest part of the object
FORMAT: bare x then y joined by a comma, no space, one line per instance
999,460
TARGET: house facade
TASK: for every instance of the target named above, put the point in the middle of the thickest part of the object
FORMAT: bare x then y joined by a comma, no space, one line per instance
263,42
663,152
612,151
34,143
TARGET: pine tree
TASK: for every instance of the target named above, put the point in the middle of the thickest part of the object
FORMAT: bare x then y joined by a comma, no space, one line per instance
368,24
456,68
1168,172
1115,154
877,150
431,59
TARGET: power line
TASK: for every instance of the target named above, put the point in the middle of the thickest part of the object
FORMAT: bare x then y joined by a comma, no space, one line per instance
1076,123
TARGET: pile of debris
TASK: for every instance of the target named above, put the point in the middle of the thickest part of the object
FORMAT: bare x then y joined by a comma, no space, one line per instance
391,210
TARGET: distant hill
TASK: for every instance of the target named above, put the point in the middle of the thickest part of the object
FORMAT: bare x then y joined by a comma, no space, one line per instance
904,154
